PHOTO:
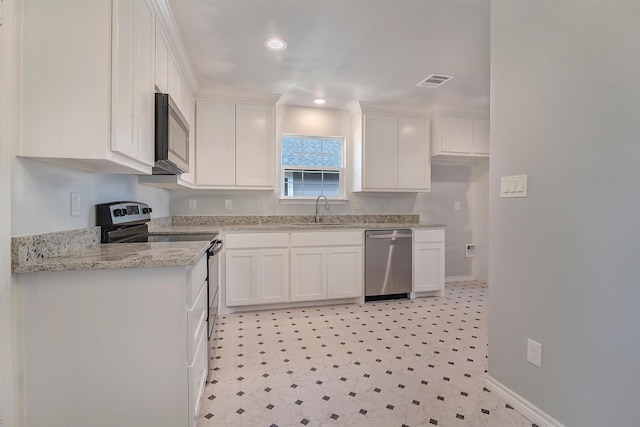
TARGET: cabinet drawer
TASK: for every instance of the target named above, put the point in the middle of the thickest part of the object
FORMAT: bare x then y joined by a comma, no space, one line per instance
256,240
323,238
197,377
426,236
195,278
196,319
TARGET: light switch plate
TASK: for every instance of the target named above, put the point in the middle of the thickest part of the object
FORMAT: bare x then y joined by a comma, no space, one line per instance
513,186
192,204
534,353
228,204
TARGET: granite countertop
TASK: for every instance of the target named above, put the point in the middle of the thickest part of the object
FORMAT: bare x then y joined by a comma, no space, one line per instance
81,249
130,255
196,229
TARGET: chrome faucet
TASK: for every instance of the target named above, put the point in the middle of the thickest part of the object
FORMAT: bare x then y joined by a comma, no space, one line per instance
326,206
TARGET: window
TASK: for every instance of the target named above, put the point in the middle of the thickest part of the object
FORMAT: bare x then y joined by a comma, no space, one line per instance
312,165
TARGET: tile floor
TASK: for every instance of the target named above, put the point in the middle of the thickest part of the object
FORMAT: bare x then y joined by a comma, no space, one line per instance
394,363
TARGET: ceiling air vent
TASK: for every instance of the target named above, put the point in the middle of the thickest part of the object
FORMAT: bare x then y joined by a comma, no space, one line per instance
434,80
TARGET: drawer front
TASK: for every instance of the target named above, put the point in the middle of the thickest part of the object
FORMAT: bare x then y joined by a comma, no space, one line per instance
195,278
327,238
197,377
428,236
256,240
196,319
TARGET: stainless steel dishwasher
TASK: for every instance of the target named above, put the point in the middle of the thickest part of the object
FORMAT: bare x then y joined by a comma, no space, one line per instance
388,264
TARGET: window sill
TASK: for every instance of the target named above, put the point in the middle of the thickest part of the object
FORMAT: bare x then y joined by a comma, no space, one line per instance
310,201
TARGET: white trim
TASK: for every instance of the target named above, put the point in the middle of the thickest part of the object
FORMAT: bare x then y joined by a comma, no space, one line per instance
450,279
523,406
310,201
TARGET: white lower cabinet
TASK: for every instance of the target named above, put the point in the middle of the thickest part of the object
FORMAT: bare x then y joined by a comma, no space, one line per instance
344,272
120,347
428,260
256,268
269,268
257,276
308,274
326,265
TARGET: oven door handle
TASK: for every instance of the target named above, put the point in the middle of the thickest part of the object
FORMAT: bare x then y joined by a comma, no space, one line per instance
215,248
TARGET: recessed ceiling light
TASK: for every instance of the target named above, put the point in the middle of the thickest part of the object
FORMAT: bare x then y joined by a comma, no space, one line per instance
275,43
319,101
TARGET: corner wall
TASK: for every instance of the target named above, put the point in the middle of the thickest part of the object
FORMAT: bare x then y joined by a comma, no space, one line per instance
565,110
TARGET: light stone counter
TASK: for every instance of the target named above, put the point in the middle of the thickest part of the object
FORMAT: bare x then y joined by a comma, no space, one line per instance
114,256
81,249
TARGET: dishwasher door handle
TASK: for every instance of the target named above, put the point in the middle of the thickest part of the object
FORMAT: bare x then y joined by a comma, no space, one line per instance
388,236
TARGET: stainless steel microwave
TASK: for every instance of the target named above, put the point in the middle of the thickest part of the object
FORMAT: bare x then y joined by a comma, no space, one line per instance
172,138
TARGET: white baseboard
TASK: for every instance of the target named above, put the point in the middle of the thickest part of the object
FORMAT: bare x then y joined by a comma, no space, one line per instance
526,408
450,279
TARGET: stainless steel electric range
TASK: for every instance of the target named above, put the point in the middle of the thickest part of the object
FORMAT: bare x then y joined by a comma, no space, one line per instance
127,222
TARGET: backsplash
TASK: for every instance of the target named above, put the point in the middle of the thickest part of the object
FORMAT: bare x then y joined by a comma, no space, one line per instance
289,219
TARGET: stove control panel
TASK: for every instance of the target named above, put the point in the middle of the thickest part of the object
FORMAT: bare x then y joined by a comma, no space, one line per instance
120,213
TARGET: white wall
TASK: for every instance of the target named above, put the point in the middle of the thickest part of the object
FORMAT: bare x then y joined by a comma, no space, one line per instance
564,262
450,183
8,377
41,196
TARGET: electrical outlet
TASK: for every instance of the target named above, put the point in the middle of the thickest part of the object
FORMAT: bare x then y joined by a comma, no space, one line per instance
228,204
75,204
384,206
456,205
357,204
261,205
192,204
534,353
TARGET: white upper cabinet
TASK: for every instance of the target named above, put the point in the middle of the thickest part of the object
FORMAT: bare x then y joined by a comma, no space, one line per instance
163,57
392,151
461,134
87,84
175,80
235,145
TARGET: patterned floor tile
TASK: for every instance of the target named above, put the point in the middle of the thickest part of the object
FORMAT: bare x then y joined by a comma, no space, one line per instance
392,363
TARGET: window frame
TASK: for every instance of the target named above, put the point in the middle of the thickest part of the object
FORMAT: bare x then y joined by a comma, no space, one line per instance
342,176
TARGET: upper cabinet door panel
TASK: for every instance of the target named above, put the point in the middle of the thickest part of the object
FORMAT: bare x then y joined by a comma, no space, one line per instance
215,143
254,145
143,80
380,151
163,57
175,80
481,136
414,162
457,135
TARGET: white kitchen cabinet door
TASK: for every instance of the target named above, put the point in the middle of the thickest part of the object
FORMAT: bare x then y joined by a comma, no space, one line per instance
91,111
428,267
380,151
215,144
175,79
273,276
457,135
344,272
133,80
481,136
255,157
414,161
241,277
162,59
144,21
308,274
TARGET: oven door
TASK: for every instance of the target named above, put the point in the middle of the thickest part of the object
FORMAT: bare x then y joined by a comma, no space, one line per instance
213,288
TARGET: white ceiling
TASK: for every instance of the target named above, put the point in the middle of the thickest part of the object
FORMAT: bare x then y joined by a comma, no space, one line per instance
343,50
